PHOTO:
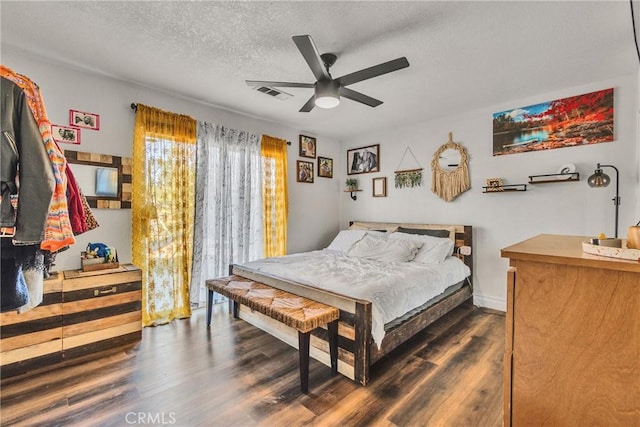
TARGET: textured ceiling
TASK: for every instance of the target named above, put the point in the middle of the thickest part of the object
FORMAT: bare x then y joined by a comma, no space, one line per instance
463,55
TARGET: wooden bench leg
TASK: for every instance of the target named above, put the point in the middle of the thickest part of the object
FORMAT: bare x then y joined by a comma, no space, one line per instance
303,354
209,306
332,329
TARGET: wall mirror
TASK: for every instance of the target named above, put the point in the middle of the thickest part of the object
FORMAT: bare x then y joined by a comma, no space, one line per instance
449,159
450,170
105,180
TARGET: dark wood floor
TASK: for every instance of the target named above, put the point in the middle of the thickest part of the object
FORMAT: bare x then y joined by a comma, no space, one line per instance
182,374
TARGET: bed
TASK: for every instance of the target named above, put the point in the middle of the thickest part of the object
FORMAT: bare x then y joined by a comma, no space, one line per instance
372,323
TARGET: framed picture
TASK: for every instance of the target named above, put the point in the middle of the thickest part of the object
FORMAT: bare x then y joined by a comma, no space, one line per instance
363,160
325,167
380,187
70,135
304,171
307,146
494,184
84,120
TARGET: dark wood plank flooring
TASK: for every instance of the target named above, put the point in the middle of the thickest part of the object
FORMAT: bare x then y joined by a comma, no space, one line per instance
234,374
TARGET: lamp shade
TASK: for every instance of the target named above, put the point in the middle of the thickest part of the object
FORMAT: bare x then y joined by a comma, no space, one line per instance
327,95
599,179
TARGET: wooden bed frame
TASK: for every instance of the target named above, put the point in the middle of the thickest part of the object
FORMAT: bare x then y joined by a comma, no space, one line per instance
356,349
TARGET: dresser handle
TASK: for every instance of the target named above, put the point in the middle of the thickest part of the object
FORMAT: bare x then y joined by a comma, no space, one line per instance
97,292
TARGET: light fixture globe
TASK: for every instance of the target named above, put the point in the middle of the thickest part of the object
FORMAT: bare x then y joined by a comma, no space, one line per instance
327,95
599,179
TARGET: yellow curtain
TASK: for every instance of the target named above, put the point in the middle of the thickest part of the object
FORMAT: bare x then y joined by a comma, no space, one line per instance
274,195
164,157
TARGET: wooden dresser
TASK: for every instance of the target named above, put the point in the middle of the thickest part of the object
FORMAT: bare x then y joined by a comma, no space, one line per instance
572,351
81,313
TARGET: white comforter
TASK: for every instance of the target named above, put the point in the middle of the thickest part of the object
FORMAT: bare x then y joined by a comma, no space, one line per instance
392,288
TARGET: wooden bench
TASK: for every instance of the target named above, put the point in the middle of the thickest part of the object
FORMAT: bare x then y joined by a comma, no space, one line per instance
302,314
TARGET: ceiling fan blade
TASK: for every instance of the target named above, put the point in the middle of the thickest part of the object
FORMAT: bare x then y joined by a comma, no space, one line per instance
308,50
359,97
278,84
309,105
376,70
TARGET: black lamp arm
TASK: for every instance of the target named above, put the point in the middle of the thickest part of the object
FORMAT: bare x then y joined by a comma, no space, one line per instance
616,200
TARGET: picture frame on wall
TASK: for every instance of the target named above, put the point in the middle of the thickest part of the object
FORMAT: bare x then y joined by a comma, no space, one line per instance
84,120
363,160
307,146
66,134
325,167
304,171
380,187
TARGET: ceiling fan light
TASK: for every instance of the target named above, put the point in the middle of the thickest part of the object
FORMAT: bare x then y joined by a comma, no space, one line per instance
327,101
327,95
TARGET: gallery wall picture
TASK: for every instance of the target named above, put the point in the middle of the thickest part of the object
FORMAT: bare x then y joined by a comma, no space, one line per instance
84,120
304,171
567,122
325,167
307,146
67,134
363,160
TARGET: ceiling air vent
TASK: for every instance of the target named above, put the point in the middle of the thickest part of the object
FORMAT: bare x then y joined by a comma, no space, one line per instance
276,93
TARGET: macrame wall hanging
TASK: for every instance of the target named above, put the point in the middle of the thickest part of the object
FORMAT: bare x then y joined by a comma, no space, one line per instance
450,170
408,177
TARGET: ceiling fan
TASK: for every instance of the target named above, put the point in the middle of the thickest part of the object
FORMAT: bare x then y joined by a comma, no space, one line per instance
327,89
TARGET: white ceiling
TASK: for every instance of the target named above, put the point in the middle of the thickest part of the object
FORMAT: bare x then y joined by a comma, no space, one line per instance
463,55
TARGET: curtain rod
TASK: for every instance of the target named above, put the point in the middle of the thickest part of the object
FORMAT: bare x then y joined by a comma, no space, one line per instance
134,107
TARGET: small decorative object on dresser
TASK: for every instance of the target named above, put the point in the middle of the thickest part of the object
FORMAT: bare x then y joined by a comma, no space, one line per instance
633,236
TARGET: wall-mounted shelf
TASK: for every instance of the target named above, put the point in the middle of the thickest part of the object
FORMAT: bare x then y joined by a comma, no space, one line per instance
554,177
353,196
505,188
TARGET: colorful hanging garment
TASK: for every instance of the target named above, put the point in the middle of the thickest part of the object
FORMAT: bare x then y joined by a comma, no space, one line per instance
58,231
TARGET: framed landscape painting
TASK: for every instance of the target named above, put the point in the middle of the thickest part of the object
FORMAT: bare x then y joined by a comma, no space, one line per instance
567,122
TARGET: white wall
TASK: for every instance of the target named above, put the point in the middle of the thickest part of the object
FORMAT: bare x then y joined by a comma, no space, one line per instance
314,208
500,220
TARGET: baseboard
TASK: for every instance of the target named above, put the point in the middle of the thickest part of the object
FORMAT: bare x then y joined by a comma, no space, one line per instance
493,303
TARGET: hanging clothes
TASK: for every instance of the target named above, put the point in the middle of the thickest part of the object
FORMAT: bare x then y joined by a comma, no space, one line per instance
26,171
58,230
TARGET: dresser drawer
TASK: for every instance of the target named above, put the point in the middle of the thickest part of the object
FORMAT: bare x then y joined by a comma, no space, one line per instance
101,310
33,339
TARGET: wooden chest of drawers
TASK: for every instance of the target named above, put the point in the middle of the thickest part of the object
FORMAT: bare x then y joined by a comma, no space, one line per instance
82,313
33,339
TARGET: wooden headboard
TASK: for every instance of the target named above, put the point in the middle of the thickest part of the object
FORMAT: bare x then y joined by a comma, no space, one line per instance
460,234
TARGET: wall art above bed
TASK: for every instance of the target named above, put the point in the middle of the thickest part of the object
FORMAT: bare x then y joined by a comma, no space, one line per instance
363,160
567,122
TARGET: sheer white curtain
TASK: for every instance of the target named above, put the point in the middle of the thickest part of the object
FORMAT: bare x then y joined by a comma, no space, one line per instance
228,211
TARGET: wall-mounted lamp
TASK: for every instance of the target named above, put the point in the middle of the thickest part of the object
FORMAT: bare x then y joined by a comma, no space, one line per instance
601,179
327,94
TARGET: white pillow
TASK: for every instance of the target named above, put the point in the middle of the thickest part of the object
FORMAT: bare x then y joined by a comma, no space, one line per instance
434,250
345,239
383,249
